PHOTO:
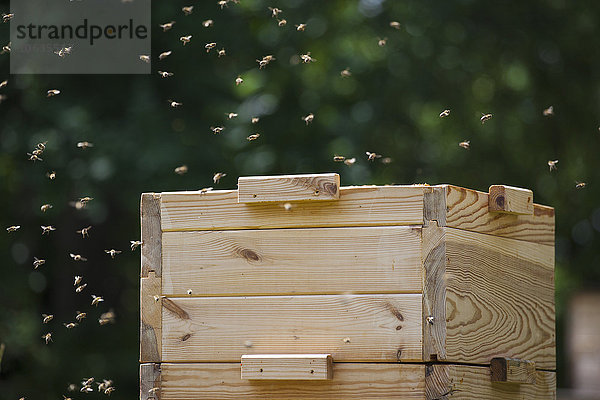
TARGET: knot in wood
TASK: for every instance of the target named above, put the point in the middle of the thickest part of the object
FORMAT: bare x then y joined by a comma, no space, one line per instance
330,188
249,255
500,201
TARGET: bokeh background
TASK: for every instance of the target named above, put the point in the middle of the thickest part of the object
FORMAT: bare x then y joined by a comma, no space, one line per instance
512,59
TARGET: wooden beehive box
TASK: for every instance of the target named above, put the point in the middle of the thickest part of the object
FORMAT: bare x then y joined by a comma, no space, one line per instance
294,288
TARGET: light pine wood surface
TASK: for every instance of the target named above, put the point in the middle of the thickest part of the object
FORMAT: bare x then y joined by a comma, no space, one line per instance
511,200
284,188
287,366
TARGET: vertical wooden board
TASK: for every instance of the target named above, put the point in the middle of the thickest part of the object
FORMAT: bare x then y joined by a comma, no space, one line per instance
293,261
464,382
151,234
350,328
150,381
357,206
150,319
468,210
361,381
287,366
499,299
282,188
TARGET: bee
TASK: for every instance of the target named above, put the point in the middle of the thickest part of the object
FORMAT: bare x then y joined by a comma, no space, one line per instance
346,340
47,337
382,42
87,382
287,206
185,39
174,104
580,185
485,117
45,207
350,161
47,318
210,46
238,80
86,389
231,115
345,73
205,190
37,152
339,158
372,156
84,232
34,157
306,58
253,137
112,252
301,27
189,292
109,390
548,111
153,391
552,165
38,262
309,118
255,120
13,228
181,170
47,229
395,24
66,398
80,316
217,129
217,176
6,49
281,22
78,280
465,144
164,74
207,23
222,3
135,244
167,26
70,325
3,84
262,63
444,113
80,288
187,10
51,175
104,385
77,257
107,317
221,52
164,55
96,300
7,17
63,52
386,160
145,58
275,11
52,92
85,200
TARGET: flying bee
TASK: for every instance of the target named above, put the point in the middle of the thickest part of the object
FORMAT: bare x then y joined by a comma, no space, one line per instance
13,228
38,262
84,232
45,207
382,42
253,137
221,53
181,170
87,382
217,176
145,58
345,73
386,160
78,280
485,117
70,325
66,398
217,129
3,84
47,337
34,157
109,390
6,49
164,55
222,3
164,74
185,39
580,185
231,115
372,156
238,80
275,11
47,229
395,24
309,118
301,27
548,111
96,300
112,252
77,257
552,165
86,389
104,385
80,288
187,10
7,17
210,46
262,64
255,120
135,244
51,175
465,144
174,104
444,113
41,146
107,318
80,316
47,318
153,391
167,26
37,152
53,92
281,22
306,58
339,158
350,161
208,23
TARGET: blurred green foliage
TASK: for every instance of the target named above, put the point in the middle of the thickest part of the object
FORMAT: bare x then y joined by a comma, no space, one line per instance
512,59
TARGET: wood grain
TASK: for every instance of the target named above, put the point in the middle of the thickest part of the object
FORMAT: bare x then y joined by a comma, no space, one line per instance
512,370
362,381
284,188
462,382
499,299
434,205
293,261
350,328
149,379
511,200
311,367
151,234
468,210
150,319
357,206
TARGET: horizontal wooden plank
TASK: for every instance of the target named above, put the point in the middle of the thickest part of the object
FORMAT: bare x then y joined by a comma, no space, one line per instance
499,299
512,370
293,261
313,367
349,327
511,200
468,210
357,206
362,381
283,188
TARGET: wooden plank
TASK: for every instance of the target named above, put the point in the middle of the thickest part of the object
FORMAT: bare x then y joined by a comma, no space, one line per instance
150,381
287,366
499,299
511,200
293,261
150,319
512,370
464,382
349,327
283,188
468,210
362,381
357,206
151,234
434,204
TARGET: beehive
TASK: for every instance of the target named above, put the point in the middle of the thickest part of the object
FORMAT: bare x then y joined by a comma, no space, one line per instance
294,288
